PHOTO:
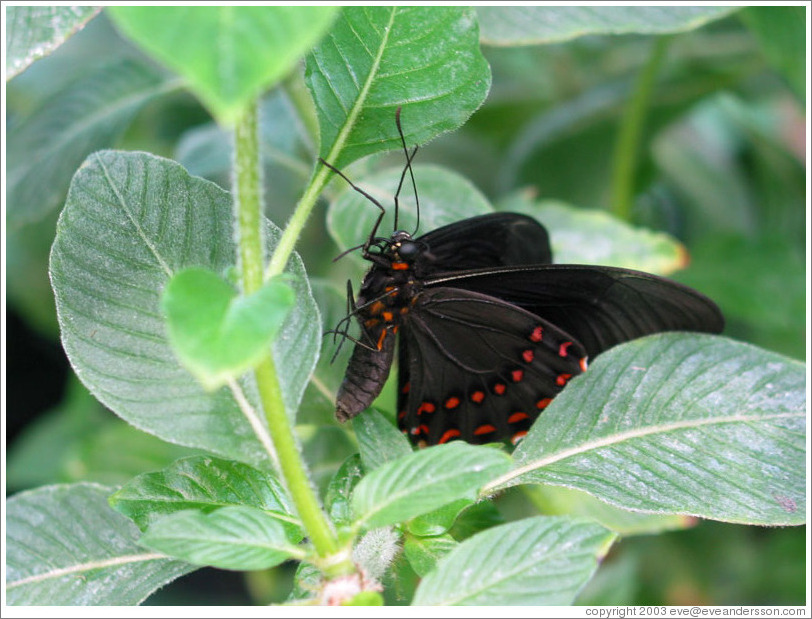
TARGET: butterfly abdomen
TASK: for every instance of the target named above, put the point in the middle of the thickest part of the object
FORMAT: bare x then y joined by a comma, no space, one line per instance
366,374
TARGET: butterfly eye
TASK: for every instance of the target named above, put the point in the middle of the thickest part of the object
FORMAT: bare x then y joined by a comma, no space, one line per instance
408,250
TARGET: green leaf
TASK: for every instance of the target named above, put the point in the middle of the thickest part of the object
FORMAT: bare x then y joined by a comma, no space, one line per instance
440,520
65,546
445,197
228,54
47,146
379,441
205,484
679,423
592,236
337,497
532,25
424,552
781,31
424,481
231,538
35,31
542,560
216,334
378,58
131,222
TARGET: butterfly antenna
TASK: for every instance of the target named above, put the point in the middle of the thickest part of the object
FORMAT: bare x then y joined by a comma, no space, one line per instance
408,167
372,234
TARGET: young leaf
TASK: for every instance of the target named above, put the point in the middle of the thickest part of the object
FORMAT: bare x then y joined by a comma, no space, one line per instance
531,25
231,538
378,58
34,31
216,334
445,197
229,54
65,546
424,481
205,484
46,147
379,441
679,423
440,520
541,560
424,552
133,220
337,497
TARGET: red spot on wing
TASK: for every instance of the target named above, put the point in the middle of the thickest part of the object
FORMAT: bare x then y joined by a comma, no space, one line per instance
401,415
477,396
537,334
516,375
543,403
528,356
425,407
562,379
448,435
484,429
517,417
583,364
406,387
562,350
452,402
499,388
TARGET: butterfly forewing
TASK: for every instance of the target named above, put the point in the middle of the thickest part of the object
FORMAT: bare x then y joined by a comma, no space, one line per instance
599,306
478,369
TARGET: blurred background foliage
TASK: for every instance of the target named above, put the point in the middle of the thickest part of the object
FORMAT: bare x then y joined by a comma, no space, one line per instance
722,168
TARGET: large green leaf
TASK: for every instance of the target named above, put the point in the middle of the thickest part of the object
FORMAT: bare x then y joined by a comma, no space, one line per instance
65,546
677,423
34,31
229,54
379,441
542,560
424,481
232,538
131,221
47,146
205,484
532,25
378,58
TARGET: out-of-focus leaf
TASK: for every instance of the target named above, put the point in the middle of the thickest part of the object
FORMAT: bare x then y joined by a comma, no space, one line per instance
781,30
228,54
379,441
65,546
424,552
35,31
533,25
337,497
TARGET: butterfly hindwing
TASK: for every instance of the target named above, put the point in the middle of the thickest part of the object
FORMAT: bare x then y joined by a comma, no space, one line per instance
475,368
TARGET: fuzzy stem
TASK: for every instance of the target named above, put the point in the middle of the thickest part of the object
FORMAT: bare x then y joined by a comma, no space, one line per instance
248,210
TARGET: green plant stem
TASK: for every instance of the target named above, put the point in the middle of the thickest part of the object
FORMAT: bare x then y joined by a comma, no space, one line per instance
248,206
627,144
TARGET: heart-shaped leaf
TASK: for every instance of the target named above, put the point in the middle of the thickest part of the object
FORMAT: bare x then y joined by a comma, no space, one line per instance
229,54
216,333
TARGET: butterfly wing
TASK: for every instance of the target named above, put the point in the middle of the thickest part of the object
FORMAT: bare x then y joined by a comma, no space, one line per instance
599,306
492,240
479,369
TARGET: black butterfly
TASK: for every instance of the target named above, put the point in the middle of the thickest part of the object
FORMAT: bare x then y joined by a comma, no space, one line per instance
489,330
